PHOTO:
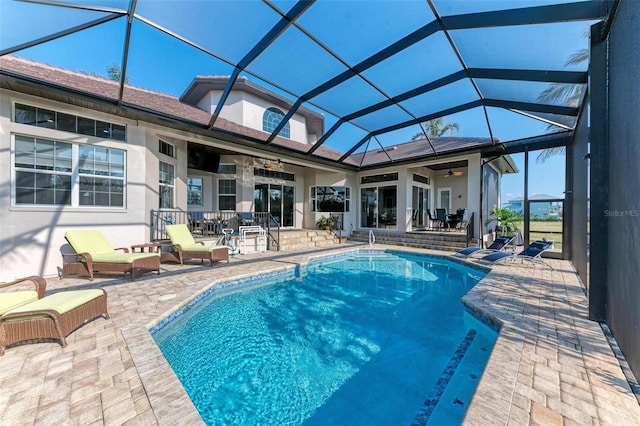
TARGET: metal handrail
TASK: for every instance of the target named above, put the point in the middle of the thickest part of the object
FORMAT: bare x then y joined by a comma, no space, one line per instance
470,228
203,223
338,225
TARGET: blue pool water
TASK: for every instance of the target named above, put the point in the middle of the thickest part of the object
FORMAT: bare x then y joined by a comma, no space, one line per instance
374,338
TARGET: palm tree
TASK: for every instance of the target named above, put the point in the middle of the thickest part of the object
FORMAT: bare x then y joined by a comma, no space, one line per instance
435,127
567,94
115,73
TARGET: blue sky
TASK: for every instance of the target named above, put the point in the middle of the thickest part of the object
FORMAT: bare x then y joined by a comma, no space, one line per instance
164,64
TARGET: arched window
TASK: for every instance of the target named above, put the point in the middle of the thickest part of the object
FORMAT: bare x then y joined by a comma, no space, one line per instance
270,120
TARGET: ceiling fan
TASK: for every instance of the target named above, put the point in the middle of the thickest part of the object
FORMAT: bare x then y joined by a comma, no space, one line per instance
451,173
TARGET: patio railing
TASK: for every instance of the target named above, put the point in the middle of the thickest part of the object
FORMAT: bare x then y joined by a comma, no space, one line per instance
213,223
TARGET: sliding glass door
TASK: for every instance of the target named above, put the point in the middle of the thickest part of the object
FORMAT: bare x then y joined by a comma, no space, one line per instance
420,206
277,200
378,207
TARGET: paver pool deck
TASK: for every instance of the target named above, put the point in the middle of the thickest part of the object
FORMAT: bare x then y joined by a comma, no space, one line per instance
549,366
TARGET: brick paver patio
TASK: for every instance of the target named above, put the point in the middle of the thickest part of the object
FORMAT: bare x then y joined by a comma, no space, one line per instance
550,365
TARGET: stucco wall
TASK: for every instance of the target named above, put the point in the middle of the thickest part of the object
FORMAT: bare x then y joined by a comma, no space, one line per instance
31,236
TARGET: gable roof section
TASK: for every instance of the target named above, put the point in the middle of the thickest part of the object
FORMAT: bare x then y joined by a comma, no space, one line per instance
201,85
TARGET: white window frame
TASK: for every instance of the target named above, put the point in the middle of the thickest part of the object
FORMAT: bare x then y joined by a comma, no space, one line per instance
234,195
168,185
439,203
191,190
171,148
313,200
75,176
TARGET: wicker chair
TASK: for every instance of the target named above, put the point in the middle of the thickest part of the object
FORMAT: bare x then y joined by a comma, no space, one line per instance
186,247
52,317
13,299
97,254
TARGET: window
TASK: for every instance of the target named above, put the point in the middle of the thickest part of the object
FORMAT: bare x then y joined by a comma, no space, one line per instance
101,176
166,185
330,199
166,148
41,117
421,179
44,174
274,174
270,120
387,177
227,194
194,191
444,198
227,169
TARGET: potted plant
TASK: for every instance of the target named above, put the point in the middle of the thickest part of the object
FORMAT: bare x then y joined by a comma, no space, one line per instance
324,223
505,220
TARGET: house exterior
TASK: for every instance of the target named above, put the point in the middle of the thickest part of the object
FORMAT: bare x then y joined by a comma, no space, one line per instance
72,157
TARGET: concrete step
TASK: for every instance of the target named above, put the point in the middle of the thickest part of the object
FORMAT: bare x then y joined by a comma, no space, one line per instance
304,239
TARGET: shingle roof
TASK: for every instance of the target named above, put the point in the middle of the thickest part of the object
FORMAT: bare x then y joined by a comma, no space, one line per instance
171,106
419,149
153,102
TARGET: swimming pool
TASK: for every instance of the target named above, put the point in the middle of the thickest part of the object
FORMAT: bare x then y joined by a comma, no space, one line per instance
361,339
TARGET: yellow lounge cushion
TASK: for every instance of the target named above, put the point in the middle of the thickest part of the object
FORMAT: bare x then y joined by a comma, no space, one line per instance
180,234
88,241
14,299
199,248
61,302
120,257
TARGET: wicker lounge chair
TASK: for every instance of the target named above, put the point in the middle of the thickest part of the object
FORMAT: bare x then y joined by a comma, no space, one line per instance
531,254
186,247
498,244
52,317
95,252
13,299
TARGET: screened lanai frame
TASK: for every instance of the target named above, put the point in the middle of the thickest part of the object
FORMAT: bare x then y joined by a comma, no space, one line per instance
372,73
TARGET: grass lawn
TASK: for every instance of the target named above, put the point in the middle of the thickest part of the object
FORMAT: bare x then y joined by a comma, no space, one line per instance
551,230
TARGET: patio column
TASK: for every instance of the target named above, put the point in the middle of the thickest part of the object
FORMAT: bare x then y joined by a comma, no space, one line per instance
599,174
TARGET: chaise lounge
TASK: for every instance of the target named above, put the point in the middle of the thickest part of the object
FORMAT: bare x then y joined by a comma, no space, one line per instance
532,254
51,317
499,244
186,247
97,255
14,299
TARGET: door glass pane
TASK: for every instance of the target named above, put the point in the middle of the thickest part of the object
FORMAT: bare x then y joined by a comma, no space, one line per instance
287,206
420,205
275,202
388,207
368,207
261,203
